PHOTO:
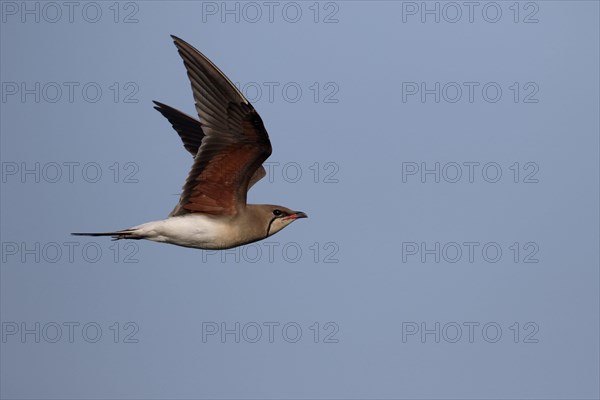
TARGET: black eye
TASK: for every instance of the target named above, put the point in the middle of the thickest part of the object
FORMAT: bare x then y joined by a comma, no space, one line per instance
277,213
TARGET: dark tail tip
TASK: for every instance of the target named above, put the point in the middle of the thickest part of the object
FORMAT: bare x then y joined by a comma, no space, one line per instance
126,234
94,233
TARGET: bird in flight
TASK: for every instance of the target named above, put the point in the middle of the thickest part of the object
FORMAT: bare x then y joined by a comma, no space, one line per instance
229,145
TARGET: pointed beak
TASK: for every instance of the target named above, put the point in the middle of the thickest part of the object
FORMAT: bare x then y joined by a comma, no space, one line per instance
296,215
300,214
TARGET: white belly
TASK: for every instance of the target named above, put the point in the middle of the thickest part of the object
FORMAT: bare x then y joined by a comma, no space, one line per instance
192,230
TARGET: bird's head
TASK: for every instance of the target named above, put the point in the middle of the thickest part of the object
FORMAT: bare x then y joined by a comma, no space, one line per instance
275,218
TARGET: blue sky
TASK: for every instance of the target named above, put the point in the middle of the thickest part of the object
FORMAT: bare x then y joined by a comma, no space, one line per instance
446,154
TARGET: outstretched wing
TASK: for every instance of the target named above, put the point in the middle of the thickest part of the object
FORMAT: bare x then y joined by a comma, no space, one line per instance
190,131
234,145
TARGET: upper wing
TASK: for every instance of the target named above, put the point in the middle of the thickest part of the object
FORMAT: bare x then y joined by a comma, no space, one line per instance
190,131
234,145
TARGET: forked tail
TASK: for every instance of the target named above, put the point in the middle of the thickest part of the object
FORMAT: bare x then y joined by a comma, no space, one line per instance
124,234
